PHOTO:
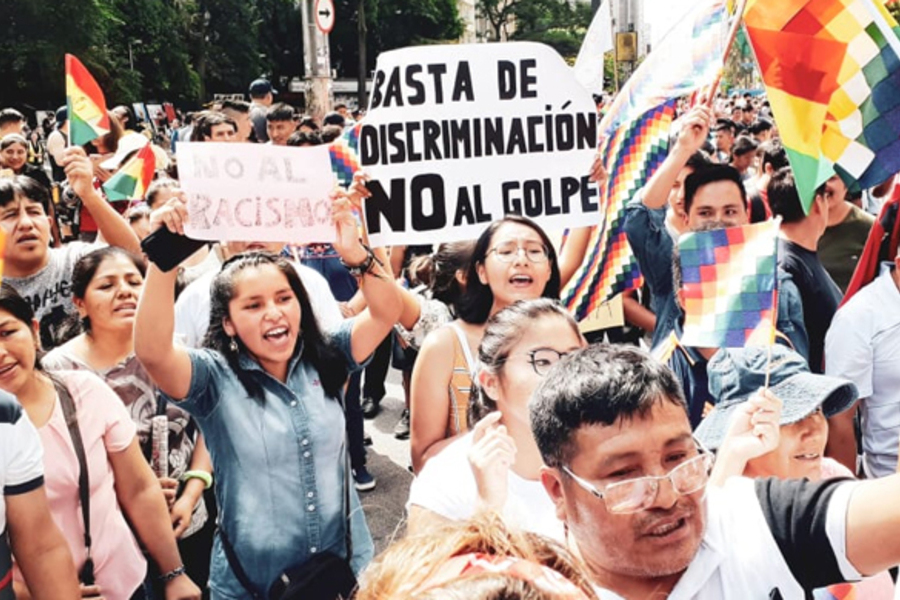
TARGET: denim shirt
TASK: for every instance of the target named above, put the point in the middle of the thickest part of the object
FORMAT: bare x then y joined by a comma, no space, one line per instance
652,247
279,467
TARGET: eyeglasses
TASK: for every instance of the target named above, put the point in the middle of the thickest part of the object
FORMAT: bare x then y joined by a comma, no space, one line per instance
635,495
543,359
508,251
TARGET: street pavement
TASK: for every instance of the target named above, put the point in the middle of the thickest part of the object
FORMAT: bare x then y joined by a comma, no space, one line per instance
388,459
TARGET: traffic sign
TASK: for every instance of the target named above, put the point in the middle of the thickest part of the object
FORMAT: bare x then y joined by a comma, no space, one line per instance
325,15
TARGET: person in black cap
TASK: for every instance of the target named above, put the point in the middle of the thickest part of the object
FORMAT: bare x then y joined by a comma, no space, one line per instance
261,98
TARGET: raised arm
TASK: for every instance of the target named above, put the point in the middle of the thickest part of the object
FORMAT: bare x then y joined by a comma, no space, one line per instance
873,525
379,289
167,363
694,132
112,226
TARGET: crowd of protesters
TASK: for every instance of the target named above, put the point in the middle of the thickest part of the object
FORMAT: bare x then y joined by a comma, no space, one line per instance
621,464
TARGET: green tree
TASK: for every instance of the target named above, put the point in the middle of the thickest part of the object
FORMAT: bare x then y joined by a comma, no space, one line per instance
558,23
390,24
35,35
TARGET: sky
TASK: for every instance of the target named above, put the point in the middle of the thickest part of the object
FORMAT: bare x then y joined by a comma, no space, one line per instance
663,14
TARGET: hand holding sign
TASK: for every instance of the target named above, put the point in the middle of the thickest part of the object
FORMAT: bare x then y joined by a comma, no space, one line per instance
346,242
457,136
257,192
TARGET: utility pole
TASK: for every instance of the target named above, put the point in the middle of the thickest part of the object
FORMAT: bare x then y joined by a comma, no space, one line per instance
316,63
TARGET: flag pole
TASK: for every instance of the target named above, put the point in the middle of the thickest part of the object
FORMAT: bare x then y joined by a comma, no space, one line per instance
774,333
732,36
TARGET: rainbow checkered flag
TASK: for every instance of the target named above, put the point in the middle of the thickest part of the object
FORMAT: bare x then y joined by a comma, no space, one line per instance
832,74
631,155
729,283
345,155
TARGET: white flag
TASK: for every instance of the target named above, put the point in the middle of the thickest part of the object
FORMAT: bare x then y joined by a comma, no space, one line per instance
589,64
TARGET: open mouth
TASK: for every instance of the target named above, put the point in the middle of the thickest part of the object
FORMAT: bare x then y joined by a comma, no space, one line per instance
667,529
25,239
276,334
521,280
127,306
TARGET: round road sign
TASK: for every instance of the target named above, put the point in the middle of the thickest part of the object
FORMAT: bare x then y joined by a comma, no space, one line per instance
325,15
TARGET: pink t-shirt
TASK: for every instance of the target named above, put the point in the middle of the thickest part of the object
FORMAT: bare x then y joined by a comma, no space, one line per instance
106,428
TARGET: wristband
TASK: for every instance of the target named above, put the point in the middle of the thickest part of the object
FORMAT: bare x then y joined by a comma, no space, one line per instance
173,574
203,476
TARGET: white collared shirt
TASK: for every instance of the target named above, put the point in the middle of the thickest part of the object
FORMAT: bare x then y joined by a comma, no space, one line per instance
768,539
863,345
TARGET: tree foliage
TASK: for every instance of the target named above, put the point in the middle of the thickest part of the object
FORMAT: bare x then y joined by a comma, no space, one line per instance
561,24
390,24
185,51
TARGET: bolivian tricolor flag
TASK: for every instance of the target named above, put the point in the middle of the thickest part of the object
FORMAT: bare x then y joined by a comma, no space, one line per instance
88,118
133,179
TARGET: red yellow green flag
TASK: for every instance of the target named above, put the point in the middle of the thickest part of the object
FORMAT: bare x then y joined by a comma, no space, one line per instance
133,179
832,71
88,118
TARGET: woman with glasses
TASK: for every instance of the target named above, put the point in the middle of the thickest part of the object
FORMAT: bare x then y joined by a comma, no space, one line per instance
513,260
497,465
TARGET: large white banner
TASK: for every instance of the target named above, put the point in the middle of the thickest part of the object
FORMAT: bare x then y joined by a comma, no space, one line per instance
256,192
457,136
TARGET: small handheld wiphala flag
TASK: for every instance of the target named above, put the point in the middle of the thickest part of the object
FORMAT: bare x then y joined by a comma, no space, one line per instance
729,283
345,155
88,118
132,180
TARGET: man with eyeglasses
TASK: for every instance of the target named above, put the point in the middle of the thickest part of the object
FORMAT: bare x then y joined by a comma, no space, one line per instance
630,483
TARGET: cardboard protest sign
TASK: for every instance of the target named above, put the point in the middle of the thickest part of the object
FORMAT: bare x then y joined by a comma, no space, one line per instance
256,192
457,136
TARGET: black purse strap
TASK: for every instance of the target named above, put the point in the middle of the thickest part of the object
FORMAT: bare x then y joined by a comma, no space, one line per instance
84,493
232,558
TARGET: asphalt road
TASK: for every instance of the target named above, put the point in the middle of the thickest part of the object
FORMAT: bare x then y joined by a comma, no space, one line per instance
387,459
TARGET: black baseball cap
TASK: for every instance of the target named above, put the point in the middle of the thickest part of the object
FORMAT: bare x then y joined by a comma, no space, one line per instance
261,87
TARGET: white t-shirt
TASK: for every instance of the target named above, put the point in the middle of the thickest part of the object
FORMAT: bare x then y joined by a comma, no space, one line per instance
446,486
192,307
21,471
768,539
863,345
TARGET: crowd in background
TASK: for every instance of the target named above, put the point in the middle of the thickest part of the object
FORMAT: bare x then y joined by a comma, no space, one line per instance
548,463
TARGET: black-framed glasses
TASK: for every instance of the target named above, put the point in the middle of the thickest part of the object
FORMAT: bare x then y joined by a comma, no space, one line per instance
635,495
543,359
509,250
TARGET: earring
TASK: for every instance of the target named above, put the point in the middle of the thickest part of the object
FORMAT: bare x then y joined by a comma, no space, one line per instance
233,346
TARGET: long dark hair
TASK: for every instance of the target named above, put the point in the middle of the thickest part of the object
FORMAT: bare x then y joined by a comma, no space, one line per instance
85,270
476,301
438,271
502,333
322,355
21,310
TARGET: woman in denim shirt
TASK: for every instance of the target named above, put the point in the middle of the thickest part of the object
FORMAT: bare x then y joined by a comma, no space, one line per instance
264,391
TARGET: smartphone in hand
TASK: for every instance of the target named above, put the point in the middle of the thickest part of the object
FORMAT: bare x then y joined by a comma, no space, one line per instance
167,250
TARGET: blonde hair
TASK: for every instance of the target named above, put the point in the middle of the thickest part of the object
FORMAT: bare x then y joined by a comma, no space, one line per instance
404,570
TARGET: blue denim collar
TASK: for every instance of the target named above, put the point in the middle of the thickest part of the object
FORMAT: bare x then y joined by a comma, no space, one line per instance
246,362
